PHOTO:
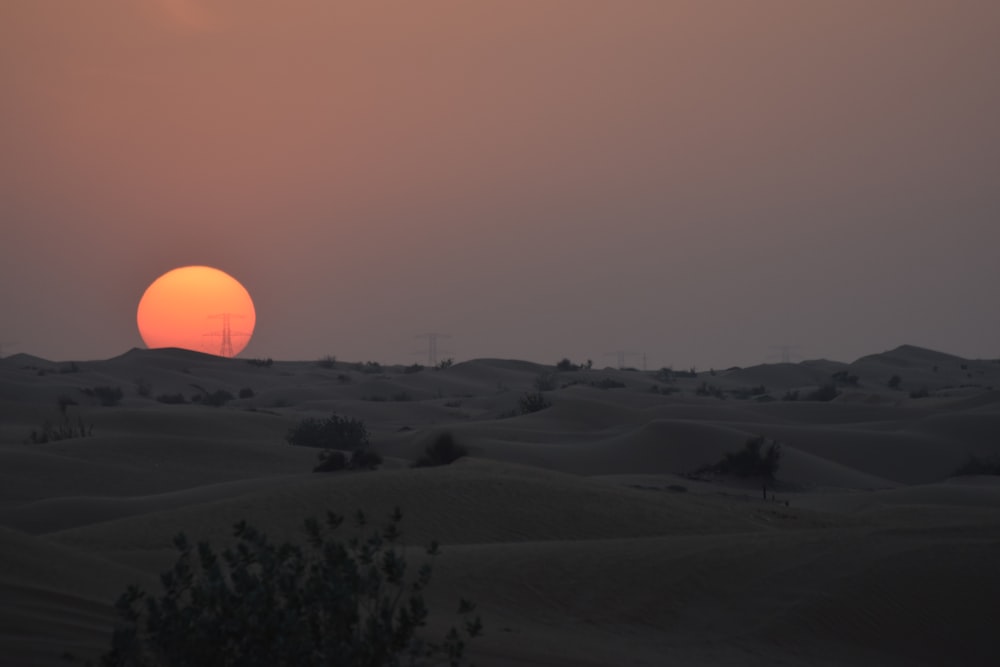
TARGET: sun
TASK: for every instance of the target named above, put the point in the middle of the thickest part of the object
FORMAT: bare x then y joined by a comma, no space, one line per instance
197,308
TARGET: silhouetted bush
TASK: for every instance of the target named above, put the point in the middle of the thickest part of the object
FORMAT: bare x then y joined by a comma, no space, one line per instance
217,398
533,401
401,396
751,461
107,396
845,378
73,367
705,389
608,383
172,399
64,429
443,451
791,395
827,392
413,368
666,391
444,364
894,382
246,392
334,432
370,367
920,393
327,362
262,363
260,603
343,378
143,388
364,458
64,402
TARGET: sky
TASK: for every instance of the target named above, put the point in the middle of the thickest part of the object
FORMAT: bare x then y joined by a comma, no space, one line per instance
696,182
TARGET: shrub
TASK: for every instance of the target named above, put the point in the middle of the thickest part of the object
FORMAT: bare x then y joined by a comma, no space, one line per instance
791,395
413,368
364,458
334,432
64,402
827,392
843,377
217,398
353,603
64,429
444,364
443,451
751,461
920,393
143,388
566,365
172,399
262,363
533,402
107,396
705,389
894,382
327,362
246,392
401,396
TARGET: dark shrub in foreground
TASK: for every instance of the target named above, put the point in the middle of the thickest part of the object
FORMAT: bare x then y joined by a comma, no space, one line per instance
354,603
443,451
334,432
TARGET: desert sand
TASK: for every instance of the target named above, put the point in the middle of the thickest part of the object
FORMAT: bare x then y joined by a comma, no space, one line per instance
578,530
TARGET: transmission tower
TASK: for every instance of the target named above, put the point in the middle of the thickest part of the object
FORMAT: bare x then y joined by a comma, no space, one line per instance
226,348
432,346
623,355
785,353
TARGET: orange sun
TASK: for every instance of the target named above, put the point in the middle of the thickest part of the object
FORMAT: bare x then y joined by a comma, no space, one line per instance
197,308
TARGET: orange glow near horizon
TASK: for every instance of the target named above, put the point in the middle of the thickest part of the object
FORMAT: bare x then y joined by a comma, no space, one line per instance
197,308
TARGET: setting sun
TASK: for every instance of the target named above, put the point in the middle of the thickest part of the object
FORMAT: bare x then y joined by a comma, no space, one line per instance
197,308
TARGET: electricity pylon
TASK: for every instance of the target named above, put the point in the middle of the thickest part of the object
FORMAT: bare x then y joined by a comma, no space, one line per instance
226,348
785,353
622,356
432,345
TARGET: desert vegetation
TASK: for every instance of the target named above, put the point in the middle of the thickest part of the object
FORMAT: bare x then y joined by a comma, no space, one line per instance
334,432
106,396
754,460
353,602
443,451
533,401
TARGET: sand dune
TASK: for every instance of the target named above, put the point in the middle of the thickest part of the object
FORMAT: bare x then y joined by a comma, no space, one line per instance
577,529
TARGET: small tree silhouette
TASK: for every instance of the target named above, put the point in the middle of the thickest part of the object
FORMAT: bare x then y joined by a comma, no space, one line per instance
352,603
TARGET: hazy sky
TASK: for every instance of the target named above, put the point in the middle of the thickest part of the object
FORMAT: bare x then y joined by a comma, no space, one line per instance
694,180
